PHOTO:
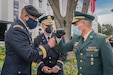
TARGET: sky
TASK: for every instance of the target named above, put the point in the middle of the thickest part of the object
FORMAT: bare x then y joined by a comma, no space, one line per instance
103,11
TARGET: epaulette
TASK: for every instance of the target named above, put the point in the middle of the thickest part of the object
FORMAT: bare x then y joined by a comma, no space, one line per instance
101,34
18,26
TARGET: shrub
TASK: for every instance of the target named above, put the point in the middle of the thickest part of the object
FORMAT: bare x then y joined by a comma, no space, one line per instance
70,67
2,52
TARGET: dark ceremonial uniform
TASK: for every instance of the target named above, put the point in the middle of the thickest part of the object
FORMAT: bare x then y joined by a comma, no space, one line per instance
19,51
53,58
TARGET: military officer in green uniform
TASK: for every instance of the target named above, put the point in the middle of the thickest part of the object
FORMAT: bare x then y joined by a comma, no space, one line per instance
93,51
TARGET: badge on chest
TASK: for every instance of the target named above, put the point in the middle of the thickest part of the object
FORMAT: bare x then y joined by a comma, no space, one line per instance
92,53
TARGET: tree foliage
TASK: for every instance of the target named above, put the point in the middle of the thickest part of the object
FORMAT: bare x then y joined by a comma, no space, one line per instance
107,29
99,28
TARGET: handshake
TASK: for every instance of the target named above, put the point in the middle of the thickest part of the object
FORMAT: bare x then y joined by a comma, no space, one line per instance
60,32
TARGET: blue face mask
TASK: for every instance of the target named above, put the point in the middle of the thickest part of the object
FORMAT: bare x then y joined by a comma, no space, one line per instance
76,31
31,23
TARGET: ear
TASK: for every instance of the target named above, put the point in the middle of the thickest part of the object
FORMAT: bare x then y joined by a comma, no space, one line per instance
26,17
43,27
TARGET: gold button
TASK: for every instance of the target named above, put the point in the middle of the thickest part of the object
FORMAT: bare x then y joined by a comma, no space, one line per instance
81,60
80,68
80,74
81,54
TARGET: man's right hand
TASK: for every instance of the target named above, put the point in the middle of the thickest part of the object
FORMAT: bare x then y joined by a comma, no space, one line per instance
47,69
52,42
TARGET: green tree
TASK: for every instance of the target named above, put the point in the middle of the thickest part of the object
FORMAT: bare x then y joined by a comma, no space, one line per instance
99,28
107,29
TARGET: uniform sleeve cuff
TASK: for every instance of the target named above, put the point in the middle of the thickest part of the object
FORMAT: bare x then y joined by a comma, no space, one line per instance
57,67
40,65
59,61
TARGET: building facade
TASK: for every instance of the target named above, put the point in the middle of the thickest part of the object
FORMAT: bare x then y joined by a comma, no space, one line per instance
11,9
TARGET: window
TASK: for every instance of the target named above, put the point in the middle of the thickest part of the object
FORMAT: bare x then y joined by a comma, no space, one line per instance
16,10
40,0
31,1
40,3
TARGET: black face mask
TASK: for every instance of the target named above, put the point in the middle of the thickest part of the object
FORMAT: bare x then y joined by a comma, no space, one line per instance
49,29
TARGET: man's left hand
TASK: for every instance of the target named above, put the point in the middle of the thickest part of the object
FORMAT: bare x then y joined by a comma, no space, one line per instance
54,69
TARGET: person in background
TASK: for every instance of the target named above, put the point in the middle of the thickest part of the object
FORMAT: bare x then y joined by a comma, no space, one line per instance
53,63
93,51
111,41
18,43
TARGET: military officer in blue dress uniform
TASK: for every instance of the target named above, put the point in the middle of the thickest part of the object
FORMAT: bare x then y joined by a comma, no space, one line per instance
19,51
93,51
53,63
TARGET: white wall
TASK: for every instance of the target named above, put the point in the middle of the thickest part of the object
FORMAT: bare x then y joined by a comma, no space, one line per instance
44,6
10,10
6,7
0,9
5,10
35,3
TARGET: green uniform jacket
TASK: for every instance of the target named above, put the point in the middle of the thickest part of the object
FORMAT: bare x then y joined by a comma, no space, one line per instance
94,56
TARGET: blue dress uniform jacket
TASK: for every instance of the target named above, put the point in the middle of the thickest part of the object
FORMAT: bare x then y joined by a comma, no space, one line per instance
94,56
19,51
53,57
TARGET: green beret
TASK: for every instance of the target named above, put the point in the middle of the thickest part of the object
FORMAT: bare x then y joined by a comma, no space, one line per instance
82,16
32,11
47,20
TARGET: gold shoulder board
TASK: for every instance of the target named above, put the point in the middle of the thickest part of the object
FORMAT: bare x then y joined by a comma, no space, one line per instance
106,40
101,34
18,26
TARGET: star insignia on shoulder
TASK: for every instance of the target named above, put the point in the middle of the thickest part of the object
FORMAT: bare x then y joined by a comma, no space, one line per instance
106,40
101,34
